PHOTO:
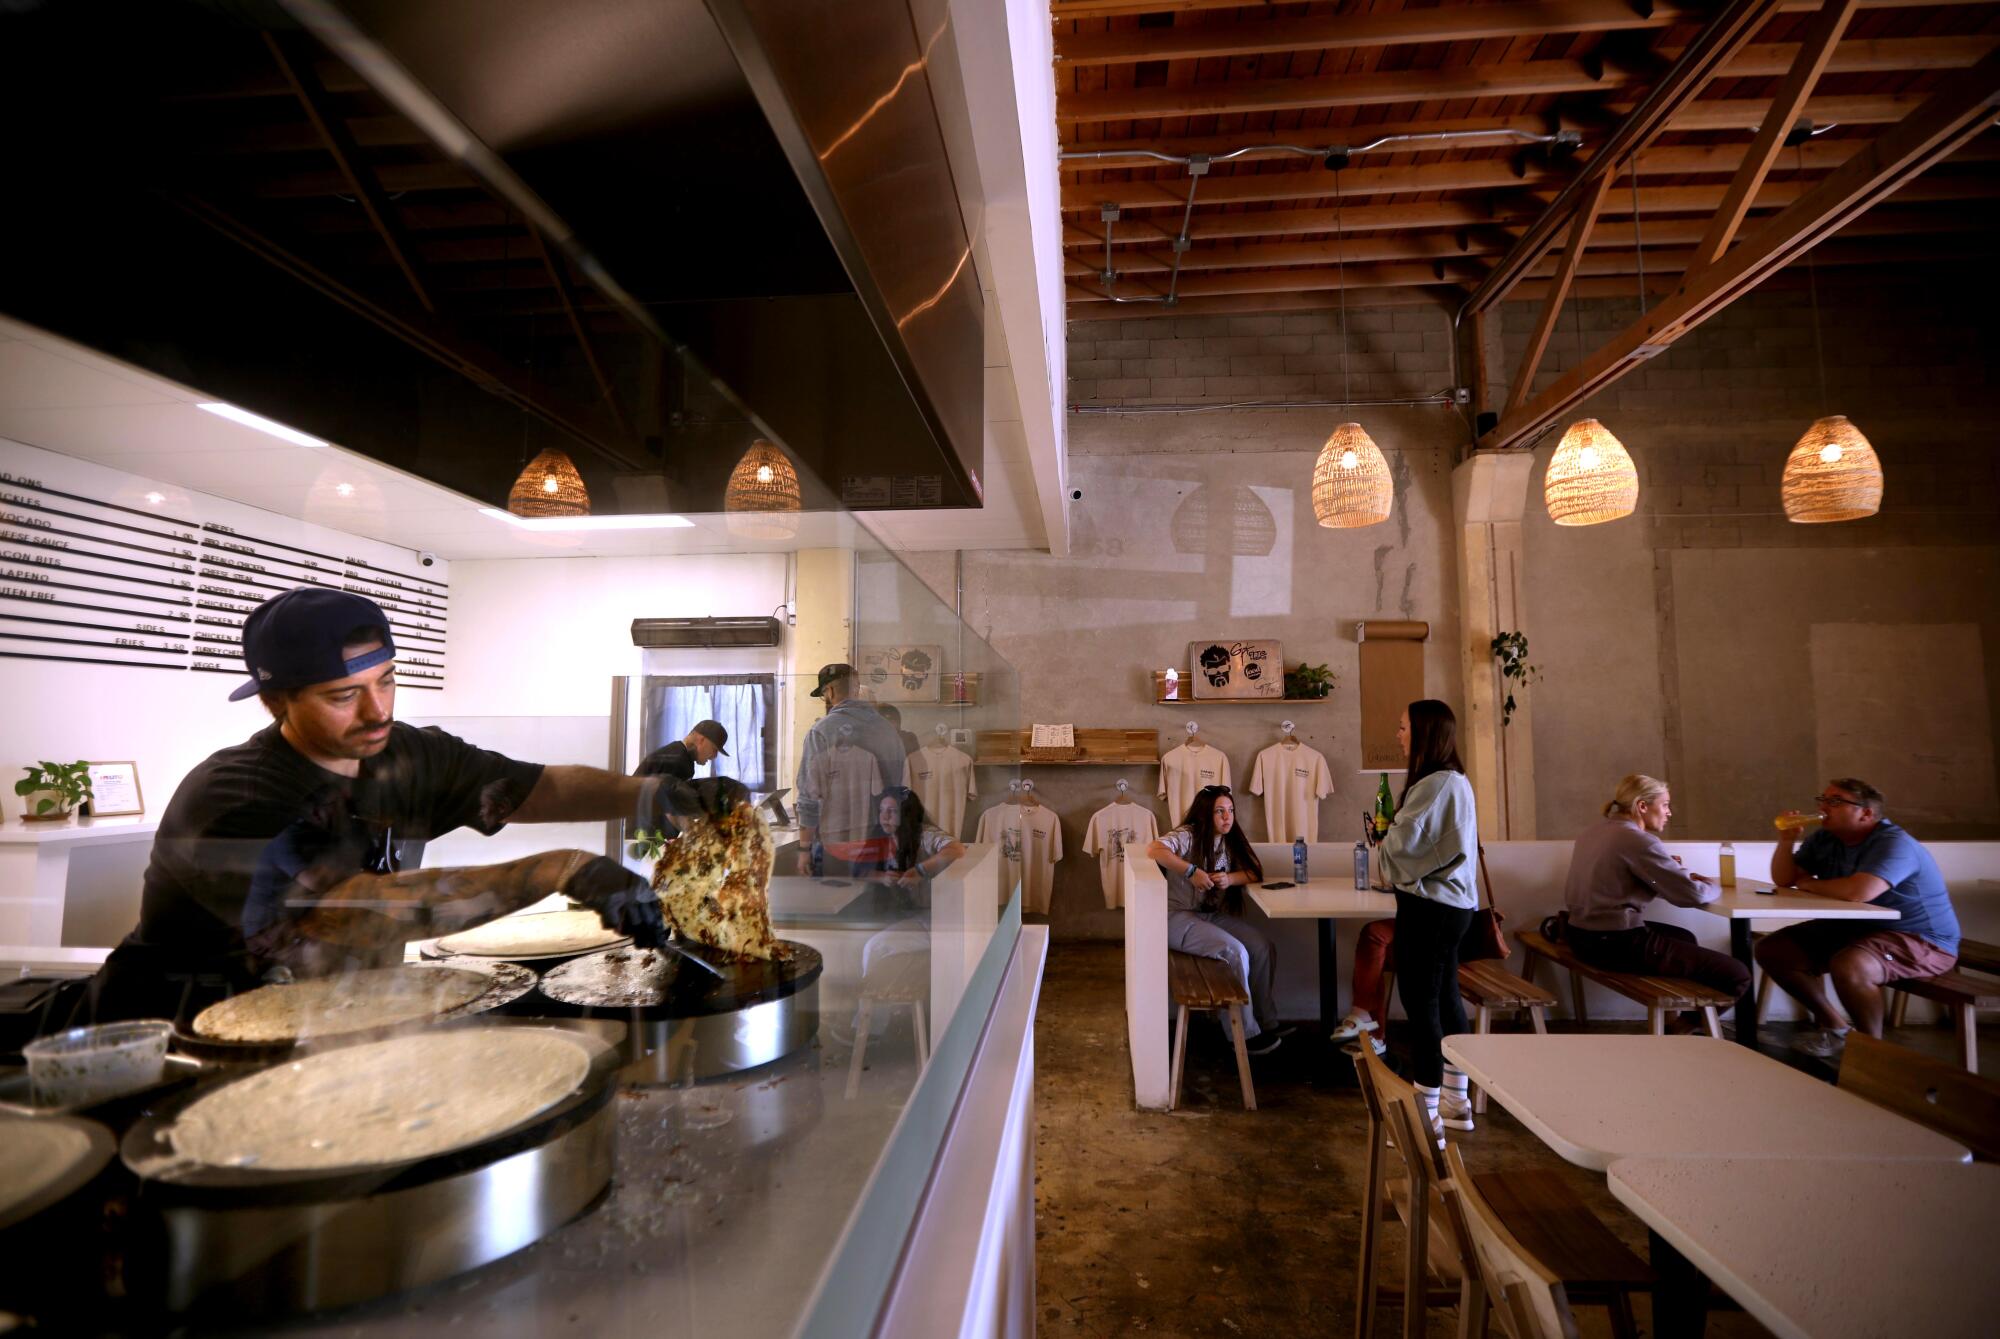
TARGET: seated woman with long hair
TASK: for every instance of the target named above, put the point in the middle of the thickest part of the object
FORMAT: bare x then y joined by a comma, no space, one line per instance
904,845
1208,861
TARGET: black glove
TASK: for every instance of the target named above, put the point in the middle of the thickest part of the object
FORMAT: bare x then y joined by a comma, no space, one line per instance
705,797
622,900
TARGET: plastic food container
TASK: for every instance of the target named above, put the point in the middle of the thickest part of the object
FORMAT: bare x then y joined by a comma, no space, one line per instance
87,1065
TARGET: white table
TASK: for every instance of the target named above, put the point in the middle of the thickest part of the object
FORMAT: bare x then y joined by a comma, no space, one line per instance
1325,901
35,869
1831,1248
1594,1099
1753,900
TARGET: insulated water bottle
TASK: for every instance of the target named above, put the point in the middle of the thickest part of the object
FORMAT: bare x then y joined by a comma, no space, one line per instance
1299,860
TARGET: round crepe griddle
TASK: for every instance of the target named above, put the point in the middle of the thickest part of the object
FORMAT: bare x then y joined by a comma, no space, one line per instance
543,935
508,982
148,1149
663,986
46,1159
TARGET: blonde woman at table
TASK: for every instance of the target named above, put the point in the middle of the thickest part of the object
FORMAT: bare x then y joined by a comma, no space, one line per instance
1430,856
1618,867
1207,861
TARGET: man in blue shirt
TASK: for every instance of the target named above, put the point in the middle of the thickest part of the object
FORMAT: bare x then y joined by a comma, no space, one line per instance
1858,856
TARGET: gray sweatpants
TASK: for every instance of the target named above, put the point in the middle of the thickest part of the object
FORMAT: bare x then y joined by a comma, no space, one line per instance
1238,942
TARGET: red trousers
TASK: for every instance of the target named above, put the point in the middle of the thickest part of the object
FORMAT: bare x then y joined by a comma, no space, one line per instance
1374,954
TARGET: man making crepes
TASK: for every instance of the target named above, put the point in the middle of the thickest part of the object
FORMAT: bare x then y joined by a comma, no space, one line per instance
701,747
287,852
1857,856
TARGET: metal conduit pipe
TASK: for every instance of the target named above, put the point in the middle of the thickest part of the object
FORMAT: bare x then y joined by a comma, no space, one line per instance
1565,138
1406,402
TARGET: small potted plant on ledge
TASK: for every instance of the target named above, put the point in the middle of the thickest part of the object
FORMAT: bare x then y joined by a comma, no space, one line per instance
51,790
1308,682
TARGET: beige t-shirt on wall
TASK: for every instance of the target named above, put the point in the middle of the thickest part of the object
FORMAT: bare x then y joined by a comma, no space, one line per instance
942,778
1030,841
1117,828
1293,780
1186,770
845,779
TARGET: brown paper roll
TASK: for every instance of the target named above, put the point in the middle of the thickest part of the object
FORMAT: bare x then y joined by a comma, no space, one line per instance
1391,630
1392,677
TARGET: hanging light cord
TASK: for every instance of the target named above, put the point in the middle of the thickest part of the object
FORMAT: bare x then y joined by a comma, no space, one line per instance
1340,255
1812,287
1638,235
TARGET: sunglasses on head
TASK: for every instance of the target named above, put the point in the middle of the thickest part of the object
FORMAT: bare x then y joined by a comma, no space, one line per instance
1215,790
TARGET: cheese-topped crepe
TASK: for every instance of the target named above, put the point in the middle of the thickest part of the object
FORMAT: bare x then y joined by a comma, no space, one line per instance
714,883
541,935
383,1102
351,1002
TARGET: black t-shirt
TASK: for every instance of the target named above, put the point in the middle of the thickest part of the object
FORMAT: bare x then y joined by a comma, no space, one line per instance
674,759
250,818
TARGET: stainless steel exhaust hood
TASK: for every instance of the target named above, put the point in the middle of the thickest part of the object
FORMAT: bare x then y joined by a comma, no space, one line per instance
446,234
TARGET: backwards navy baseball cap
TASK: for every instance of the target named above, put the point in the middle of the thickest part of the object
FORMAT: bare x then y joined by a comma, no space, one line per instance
295,639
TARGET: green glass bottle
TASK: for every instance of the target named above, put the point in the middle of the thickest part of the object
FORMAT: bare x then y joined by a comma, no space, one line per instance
1385,807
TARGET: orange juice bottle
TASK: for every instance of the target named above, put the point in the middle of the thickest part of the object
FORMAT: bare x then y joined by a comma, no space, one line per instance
1795,822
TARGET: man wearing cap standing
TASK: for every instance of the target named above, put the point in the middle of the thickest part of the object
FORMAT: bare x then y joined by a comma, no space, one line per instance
287,852
851,755
699,749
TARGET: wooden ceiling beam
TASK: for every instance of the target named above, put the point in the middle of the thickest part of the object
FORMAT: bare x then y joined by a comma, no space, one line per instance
1475,174
1312,222
294,57
1816,44
395,178
1747,60
1337,32
1708,114
1580,225
1492,240
370,132
1442,296
1959,109
1724,36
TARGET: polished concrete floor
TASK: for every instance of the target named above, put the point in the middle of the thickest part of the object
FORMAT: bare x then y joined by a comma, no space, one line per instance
1213,1220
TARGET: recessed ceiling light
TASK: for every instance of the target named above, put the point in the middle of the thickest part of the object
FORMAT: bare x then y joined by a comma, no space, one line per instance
345,490
155,499
654,521
261,424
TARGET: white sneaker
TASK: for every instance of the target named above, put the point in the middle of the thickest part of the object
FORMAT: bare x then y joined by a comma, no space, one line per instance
1454,1110
1354,1047
1825,1043
1352,1027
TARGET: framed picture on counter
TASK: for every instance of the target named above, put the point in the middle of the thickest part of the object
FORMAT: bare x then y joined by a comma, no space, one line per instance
114,790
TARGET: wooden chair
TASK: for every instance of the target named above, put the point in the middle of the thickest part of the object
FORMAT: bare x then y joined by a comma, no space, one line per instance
1660,995
1974,955
1959,1105
1491,989
1526,1295
1538,1205
1204,984
900,978
1963,994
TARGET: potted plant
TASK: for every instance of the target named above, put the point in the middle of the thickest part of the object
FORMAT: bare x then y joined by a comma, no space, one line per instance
52,790
1307,682
1510,650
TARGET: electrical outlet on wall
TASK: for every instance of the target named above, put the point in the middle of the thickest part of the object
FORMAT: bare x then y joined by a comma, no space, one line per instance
961,737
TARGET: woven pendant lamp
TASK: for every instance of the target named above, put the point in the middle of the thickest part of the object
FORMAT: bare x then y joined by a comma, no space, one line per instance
549,486
1591,478
1351,484
1832,475
763,500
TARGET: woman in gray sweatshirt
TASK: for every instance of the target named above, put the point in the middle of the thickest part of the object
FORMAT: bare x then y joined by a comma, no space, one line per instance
1430,856
1618,867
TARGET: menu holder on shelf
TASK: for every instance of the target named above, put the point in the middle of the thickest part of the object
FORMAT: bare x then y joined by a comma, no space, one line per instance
1113,748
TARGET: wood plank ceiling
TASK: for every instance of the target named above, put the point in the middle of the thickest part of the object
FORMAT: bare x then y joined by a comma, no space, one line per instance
1426,221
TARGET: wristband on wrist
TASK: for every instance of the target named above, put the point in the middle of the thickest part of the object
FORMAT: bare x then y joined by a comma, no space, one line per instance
1189,872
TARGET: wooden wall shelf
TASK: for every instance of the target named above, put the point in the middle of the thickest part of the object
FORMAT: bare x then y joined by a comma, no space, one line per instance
1094,748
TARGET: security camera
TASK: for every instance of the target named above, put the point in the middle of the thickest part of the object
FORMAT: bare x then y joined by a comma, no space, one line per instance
427,559
1076,495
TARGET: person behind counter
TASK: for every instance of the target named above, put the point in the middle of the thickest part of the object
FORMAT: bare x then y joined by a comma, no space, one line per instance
1430,856
1205,859
1858,855
703,744
850,756
1620,865
286,851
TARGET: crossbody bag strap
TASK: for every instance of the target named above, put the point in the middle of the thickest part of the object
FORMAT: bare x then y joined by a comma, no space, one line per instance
1485,879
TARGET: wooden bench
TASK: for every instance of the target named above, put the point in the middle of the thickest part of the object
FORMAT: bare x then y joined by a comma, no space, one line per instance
1491,989
1205,984
1660,994
1962,994
1930,1092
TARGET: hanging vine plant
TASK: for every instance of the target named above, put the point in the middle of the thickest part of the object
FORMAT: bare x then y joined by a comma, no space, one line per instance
1510,650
